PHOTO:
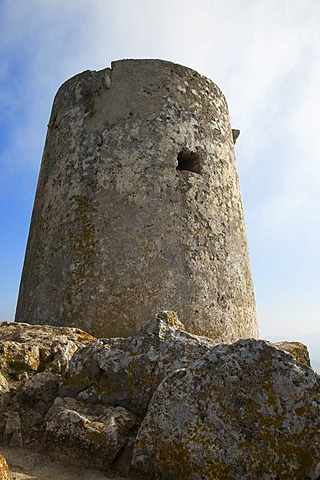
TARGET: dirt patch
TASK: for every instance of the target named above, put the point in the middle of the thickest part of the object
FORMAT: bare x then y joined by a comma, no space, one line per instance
26,464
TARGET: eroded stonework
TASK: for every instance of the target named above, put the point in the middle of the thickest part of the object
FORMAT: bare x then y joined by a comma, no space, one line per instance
138,207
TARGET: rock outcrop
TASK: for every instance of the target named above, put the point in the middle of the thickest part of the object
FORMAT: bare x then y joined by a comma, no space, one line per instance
163,403
32,360
126,371
26,349
4,469
243,411
297,349
86,434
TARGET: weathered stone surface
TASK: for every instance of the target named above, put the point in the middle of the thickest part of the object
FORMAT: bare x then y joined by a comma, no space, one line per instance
88,435
4,389
4,385
127,371
40,390
297,349
4,469
12,433
32,358
244,411
27,349
138,207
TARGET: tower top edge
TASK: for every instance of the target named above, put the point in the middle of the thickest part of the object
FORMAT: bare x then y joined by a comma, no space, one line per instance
130,65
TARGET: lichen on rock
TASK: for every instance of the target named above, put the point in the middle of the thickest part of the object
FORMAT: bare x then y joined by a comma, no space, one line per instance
170,404
88,435
246,410
127,371
297,349
28,349
32,358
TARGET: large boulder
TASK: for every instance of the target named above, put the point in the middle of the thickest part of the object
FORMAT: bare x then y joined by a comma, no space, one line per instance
243,411
88,435
126,371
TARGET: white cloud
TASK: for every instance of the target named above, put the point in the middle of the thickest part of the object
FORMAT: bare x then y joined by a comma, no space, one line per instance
264,55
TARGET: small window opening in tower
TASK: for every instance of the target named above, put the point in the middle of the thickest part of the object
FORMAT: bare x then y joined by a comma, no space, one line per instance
190,161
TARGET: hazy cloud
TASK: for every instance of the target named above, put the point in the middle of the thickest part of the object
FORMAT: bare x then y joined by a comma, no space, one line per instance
263,54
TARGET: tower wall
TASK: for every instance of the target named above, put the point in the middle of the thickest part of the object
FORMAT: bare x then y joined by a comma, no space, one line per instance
138,207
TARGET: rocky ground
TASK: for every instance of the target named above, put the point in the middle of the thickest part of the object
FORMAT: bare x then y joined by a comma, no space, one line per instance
163,404
25,464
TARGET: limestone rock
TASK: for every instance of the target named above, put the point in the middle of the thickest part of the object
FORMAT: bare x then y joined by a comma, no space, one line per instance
4,469
247,411
4,385
297,349
12,434
88,435
27,349
4,390
17,358
40,390
32,358
243,411
127,371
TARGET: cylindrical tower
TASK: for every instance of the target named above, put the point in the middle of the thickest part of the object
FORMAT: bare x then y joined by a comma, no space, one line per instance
138,207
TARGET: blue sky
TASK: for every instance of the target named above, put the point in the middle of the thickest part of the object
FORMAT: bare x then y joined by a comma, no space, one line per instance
263,54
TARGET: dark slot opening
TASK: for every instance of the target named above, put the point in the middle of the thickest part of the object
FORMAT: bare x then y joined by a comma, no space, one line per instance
190,161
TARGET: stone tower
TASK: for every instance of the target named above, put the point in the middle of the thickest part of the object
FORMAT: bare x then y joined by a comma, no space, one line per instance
138,207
